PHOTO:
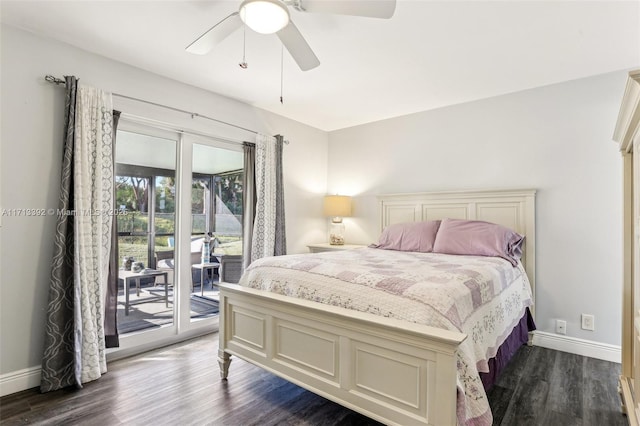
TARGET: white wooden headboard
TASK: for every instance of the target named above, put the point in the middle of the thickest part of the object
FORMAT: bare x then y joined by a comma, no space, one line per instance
514,209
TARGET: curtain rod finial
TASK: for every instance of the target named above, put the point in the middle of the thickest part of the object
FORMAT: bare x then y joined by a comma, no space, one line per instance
54,80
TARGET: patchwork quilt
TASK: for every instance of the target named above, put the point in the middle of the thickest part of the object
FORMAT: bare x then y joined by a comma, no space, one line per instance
483,297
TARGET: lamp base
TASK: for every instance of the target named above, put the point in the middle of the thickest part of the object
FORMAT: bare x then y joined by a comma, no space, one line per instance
336,234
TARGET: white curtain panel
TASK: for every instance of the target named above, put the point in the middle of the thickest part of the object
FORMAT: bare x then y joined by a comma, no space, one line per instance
264,228
93,187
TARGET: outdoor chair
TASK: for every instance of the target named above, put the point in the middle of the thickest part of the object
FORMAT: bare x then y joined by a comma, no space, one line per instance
165,262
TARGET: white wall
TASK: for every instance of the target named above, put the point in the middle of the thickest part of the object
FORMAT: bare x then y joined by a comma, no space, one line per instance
30,158
556,139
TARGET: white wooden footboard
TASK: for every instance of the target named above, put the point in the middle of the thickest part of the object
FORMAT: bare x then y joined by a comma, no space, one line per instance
392,371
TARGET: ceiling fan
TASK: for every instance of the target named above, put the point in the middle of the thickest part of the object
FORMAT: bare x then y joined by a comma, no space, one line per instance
272,16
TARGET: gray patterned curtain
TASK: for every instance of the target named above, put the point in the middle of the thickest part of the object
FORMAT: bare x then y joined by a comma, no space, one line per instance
248,200
281,238
58,368
74,347
111,338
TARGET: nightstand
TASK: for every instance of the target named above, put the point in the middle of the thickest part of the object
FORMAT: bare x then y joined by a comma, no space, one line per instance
318,248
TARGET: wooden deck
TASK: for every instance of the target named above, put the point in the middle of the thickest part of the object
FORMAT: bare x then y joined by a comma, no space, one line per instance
155,313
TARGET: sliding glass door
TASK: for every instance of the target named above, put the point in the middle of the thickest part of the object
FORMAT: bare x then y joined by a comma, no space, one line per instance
180,228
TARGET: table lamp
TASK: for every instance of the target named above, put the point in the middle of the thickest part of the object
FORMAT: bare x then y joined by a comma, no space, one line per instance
336,207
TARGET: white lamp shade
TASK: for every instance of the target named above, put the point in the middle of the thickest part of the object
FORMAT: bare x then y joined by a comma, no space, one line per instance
264,16
337,206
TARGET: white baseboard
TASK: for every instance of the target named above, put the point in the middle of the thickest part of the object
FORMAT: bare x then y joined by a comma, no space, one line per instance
577,346
20,380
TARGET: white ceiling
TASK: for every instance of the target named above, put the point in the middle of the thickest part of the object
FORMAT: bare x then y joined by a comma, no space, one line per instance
152,151
431,54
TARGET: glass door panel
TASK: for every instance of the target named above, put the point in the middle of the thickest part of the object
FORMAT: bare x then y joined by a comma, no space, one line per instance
145,196
216,222
228,208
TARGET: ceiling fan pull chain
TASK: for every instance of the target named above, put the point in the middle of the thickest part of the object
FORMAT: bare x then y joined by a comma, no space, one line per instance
244,64
281,71
297,5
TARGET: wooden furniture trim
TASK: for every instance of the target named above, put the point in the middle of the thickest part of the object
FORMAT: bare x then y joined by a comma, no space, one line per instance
320,247
628,123
628,294
627,132
342,354
345,336
627,396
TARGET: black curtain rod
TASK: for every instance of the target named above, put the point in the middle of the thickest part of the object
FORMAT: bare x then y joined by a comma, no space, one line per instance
54,80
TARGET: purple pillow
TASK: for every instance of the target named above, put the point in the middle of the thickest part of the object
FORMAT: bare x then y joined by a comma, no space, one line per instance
410,236
478,238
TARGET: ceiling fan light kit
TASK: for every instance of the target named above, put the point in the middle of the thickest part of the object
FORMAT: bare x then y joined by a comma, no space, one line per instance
272,17
264,16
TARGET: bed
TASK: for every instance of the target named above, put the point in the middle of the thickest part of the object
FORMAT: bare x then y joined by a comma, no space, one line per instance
363,355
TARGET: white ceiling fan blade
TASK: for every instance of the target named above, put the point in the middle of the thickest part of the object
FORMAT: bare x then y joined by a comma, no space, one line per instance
298,47
215,35
369,8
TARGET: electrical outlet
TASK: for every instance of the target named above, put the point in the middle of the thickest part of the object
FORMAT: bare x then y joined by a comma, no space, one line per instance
561,327
588,322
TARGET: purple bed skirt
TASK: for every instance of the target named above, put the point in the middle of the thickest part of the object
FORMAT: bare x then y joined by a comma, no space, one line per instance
518,337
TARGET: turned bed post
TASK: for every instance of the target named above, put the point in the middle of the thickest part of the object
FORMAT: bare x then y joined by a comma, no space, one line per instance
224,359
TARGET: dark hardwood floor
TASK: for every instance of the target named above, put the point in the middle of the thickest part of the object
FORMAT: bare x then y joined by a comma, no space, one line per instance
180,385
546,387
